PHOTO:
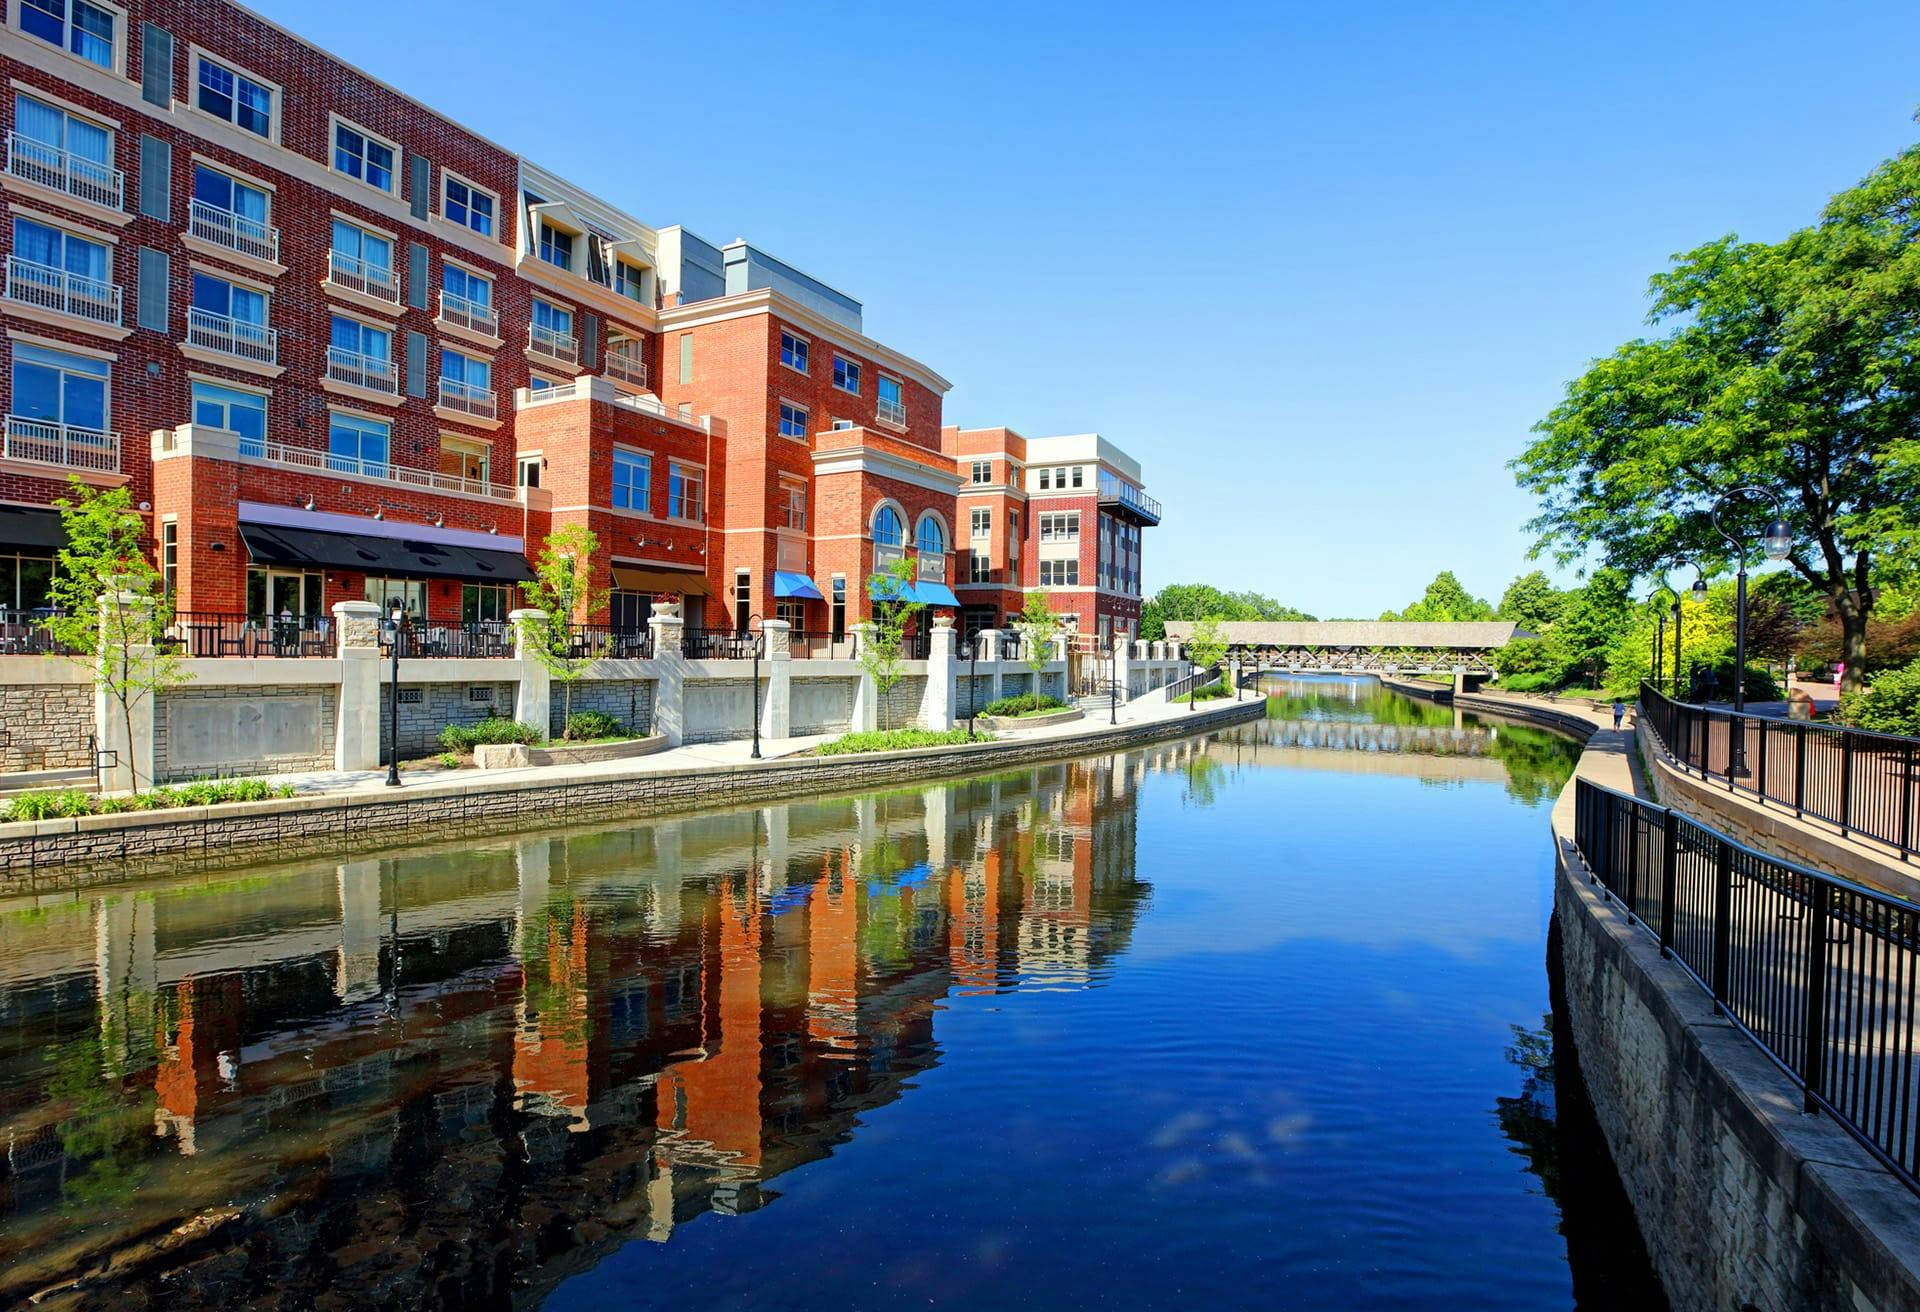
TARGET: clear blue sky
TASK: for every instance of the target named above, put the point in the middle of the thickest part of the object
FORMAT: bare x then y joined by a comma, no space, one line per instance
1318,266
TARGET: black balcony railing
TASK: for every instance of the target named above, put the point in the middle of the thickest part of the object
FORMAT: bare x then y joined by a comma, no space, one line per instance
1862,782
717,644
821,645
207,633
25,633
610,642
1815,970
472,639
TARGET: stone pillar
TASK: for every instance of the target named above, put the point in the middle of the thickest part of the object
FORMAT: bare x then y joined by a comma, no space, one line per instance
776,706
533,701
357,973
1459,679
356,742
670,683
936,703
1060,643
1123,668
125,731
866,698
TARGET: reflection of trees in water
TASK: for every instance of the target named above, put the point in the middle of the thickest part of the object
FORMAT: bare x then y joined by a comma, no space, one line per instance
106,1130
1206,775
1539,762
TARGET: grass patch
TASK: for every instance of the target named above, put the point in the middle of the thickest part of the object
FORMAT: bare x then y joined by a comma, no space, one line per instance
71,802
896,740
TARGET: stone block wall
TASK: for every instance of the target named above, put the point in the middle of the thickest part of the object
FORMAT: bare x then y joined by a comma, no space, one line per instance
718,710
822,705
427,708
629,701
900,708
45,726
201,732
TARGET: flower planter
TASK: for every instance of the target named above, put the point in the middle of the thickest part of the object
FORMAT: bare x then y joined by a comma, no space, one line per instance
1015,723
513,756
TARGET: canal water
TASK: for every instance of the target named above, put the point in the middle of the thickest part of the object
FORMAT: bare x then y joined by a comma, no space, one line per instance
1258,1018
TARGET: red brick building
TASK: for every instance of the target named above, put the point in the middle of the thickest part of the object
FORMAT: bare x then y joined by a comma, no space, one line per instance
340,347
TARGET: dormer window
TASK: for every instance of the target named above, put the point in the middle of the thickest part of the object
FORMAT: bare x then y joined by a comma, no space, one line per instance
630,280
556,246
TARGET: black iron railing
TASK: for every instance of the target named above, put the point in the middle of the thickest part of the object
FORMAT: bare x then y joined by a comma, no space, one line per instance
1198,679
918,645
473,639
821,645
1819,972
1012,647
1862,782
206,633
717,644
25,633
619,642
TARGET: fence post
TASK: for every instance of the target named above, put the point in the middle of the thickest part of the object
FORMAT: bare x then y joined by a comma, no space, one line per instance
1814,1058
1722,921
1800,771
1906,801
1759,776
1846,782
1669,878
1632,880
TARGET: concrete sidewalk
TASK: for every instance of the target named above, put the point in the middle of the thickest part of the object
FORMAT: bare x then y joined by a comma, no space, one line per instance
1150,708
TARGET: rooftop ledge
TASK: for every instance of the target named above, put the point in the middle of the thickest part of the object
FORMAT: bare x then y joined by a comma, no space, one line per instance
219,444
593,388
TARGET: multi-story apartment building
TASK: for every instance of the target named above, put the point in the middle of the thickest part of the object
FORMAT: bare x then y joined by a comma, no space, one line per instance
338,347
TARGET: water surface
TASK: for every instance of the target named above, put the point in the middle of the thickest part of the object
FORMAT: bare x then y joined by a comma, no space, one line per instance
1252,1017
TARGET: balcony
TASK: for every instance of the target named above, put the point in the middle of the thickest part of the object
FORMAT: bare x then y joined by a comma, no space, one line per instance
626,364
891,412
43,287
373,373
468,399
376,282
233,232
65,446
1117,492
57,170
472,316
553,344
243,341
192,439
588,387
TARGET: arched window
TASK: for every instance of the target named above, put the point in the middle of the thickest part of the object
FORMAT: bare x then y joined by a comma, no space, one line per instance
931,539
888,531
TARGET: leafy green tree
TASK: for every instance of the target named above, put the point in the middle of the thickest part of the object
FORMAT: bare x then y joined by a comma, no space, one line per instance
1591,621
562,588
1532,602
1791,366
883,653
1445,600
1207,647
1196,601
1038,625
112,613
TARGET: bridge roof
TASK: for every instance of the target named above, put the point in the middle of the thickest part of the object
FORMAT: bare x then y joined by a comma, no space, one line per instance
1473,636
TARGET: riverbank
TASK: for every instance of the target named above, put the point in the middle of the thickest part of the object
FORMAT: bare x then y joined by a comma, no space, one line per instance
1743,1200
335,811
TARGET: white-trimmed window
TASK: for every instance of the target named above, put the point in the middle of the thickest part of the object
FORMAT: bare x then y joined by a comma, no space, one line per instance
1046,479
846,374
464,379
61,394
467,205
793,420
793,351
65,263
888,530
983,471
362,261
465,458
630,280
1060,526
556,246
1060,573
553,330
794,495
91,31
892,405
235,97
930,537
362,156
466,298
237,214
686,491
234,410
358,445
63,151
1077,472
979,567
632,480
241,311
360,353
840,424
981,522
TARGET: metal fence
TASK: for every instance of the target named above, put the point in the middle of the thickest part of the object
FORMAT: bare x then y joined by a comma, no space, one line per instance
717,644
482,639
207,633
621,642
822,645
1819,972
1862,782
25,633
1198,679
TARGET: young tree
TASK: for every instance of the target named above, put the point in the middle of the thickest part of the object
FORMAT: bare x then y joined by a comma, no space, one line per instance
883,653
1208,645
1592,618
113,613
1792,367
561,588
1039,624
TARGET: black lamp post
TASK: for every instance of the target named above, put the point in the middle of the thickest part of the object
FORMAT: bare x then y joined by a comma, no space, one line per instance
1193,691
972,653
1778,543
1113,692
394,630
756,635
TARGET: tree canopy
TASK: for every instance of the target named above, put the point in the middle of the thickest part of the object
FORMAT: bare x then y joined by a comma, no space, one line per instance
1790,367
1198,601
1446,599
1532,602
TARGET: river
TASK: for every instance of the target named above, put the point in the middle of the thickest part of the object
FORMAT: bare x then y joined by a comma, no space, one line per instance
1256,1018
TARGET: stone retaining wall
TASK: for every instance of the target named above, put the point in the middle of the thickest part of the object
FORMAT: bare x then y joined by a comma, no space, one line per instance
227,732
106,849
629,701
45,726
427,708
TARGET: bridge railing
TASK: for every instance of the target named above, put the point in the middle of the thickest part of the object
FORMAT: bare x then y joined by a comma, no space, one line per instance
1198,679
1817,971
1862,782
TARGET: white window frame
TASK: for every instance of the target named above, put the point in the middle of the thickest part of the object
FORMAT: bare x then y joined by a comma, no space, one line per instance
447,175
116,65
646,458
337,121
685,467
982,472
980,523
793,498
469,446
853,366
806,350
780,422
621,271
276,99
879,401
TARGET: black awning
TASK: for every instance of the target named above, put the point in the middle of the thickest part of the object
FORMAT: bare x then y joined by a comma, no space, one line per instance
401,557
26,529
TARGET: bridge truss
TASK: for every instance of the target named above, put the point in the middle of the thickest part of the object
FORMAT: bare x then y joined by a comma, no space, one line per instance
1370,660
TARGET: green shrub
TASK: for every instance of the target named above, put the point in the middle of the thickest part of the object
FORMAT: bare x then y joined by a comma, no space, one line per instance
200,792
895,740
584,726
1025,703
1209,693
1535,682
466,737
1891,705
449,760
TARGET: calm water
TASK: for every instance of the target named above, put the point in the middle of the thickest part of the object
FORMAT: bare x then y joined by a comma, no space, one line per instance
1254,1018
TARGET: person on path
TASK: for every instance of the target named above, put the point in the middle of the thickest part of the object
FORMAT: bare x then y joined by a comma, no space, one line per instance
1619,712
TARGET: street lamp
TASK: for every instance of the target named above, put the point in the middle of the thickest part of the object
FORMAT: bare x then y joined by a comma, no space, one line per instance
1193,699
1777,541
393,627
756,635
972,653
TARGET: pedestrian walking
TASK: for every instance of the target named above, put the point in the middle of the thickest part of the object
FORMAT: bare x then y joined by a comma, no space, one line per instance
1619,712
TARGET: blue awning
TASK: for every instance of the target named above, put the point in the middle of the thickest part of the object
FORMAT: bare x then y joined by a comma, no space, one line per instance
935,594
885,587
786,584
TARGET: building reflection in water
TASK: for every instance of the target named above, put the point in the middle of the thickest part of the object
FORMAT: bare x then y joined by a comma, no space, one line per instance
478,1069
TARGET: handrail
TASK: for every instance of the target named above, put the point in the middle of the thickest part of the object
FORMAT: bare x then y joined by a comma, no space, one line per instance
1816,970
1860,781
46,165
